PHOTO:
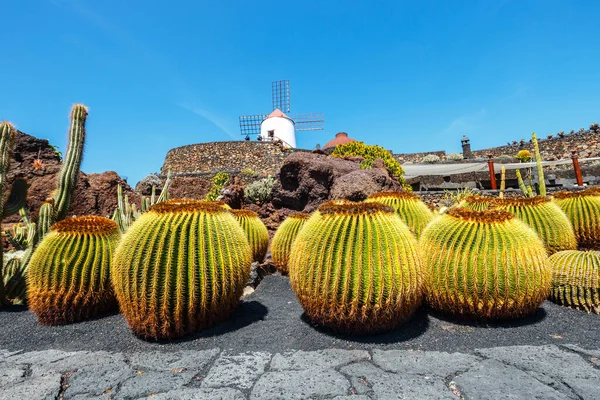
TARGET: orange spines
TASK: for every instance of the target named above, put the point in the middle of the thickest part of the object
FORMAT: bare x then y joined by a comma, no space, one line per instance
256,232
409,207
181,267
69,273
583,210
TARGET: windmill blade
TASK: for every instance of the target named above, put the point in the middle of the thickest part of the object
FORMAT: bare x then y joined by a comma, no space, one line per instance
281,95
250,124
310,121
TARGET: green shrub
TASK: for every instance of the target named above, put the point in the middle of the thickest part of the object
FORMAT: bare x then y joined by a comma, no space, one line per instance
260,191
371,153
218,182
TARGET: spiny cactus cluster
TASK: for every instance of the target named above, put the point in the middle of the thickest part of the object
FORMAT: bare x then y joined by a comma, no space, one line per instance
484,265
181,267
545,217
576,279
69,273
356,269
409,208
256,232
583,210
476,202
284,238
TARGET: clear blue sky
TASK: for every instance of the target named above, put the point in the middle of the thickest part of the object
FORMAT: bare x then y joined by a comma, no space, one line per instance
410,76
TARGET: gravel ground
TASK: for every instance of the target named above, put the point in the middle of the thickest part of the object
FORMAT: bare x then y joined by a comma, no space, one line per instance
270,319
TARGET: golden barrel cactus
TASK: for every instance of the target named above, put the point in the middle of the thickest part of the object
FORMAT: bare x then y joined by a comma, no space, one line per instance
409,207
576,279
181,267
355,268
484,265
475,202
284,238
256,232
68,277
583,210
545,217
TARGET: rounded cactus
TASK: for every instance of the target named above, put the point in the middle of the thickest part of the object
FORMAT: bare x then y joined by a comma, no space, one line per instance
583,210
408,206
576,279
181,267
545,217
356,268
475,202
68,277
484,265
284,238
256,232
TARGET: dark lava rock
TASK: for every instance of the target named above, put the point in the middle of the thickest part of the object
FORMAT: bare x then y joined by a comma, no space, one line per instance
189,187
358,185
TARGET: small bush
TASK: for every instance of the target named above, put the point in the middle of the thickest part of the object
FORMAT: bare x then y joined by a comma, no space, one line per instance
454,156
249,171
430,159
218,182
524,156
366,164
260,191
151,180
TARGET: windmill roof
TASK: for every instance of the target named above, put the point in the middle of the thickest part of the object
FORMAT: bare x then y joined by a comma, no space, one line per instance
277,113
340,138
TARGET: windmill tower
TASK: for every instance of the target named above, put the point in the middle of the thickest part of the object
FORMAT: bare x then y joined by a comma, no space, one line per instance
280,124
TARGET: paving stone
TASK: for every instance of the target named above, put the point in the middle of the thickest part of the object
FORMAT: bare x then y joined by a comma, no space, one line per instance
306,384
39,357
10,375
42,388
493,380
163,361
200,394
561,368
387,385
592,356
352,397
150,383
329,358
238,371
430,363
97,380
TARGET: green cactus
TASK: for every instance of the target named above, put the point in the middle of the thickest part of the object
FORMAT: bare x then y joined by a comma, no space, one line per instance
7,140
484,265
256,232
502,182
409,207
181,267
69,273
15,277
583,210
56,208
356,269
524,190
540,168
475,202
576,279
545,217
284,238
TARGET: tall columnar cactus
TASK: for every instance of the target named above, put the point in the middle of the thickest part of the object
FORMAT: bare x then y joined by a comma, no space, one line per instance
69,273
576,279
15,279
545,217
57,207
409,208
540,168
181,267
583,210
284,238
256,232
7,140
356,268
484,265
476,202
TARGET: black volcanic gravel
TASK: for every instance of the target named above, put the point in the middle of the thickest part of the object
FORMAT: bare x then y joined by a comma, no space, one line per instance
270,319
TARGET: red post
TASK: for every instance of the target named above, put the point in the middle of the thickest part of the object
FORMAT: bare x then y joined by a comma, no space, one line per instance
492,173
576,168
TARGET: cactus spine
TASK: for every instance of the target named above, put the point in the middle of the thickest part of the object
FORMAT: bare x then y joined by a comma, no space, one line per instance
576,279
7,140
484,265
181,267
583,210
256,232
409,208
68,276
56,208
545,217
284,238
356,269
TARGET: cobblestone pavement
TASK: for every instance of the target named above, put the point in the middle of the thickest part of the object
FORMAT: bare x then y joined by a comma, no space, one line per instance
514,372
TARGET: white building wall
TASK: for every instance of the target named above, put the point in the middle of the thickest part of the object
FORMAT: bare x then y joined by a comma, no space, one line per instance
283,127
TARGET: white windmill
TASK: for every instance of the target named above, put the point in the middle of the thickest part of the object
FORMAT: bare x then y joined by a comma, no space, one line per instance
278,125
